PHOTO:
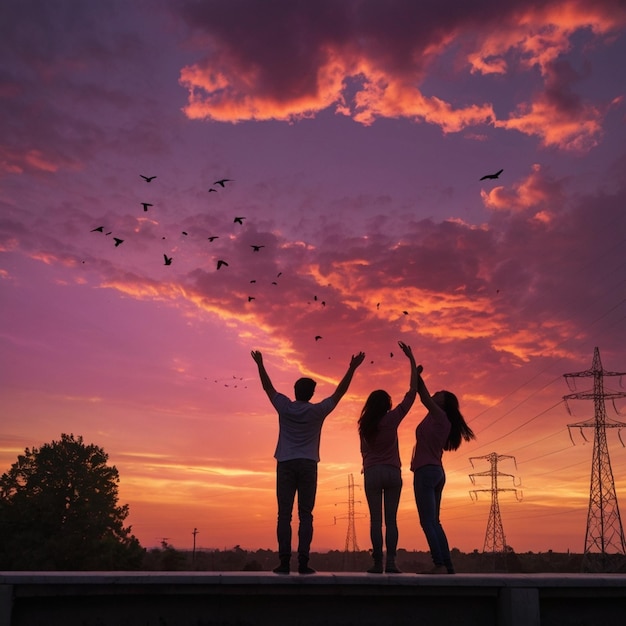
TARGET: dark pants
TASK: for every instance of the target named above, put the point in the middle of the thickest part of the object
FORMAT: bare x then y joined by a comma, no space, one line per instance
383,484
295,476
428,483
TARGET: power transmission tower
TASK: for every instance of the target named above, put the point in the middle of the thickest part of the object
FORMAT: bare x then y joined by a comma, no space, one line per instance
495,543
351,543
604,525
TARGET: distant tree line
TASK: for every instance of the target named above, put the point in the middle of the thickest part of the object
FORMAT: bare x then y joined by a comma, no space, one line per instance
167,558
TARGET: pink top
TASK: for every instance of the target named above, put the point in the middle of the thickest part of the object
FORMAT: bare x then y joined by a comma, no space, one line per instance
431,435
383,450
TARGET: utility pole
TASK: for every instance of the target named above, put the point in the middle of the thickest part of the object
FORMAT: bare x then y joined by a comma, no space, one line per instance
351,543
604,526
193,554
495,543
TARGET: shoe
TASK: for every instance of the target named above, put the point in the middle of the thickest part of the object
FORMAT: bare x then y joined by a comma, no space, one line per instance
377,568
435,570
305,569
392,569
283,568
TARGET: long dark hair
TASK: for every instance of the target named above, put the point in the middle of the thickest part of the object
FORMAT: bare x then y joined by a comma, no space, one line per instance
460,430
376,406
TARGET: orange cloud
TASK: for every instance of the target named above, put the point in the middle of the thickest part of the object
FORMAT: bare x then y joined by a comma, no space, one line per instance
540,35
578,130
387,96
537,193
234,94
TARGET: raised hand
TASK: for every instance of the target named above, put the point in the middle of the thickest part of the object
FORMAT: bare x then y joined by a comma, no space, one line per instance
357,359
406,349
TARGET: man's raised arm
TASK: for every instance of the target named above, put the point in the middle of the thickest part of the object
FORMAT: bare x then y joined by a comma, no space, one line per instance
342,387
263,375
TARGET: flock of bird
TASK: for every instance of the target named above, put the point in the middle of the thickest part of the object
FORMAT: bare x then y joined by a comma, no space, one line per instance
167,260
237,220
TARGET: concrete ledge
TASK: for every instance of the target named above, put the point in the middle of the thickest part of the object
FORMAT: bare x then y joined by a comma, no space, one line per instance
224,598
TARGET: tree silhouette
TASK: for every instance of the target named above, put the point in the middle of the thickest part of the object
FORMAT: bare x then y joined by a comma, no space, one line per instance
59,511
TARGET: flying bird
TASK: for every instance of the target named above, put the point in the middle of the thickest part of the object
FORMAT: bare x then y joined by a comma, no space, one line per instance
99,229
185,233
251,298
223,181
147,178
256,248
168,259
213,237
214,190
239,220
318,337
145,205
118,241
220,263
492,176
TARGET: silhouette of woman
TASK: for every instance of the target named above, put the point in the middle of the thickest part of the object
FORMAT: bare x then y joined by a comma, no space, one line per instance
443,428
378,430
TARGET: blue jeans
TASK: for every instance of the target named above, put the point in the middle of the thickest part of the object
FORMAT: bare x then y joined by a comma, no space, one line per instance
383,483
428,483
295,476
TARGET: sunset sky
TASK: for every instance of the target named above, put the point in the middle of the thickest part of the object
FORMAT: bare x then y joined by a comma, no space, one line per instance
353,135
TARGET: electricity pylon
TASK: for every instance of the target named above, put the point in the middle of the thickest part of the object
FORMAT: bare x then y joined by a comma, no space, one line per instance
351,542
604,525
495,542
352,547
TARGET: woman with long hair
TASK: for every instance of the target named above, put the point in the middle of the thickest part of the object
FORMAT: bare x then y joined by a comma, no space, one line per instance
443,428
378,430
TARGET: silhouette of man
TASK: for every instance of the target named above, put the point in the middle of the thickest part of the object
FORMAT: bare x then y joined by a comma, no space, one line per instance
297,455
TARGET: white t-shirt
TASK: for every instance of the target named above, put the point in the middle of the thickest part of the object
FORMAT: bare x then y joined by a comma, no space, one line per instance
300,427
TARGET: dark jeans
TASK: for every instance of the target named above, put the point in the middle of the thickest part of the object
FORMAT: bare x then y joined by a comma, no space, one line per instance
295,476
383,483
428,483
